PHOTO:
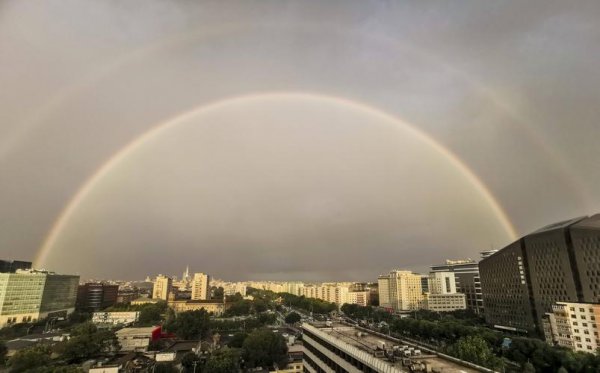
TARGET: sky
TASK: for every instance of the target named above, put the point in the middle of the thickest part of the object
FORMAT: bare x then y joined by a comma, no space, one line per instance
291,140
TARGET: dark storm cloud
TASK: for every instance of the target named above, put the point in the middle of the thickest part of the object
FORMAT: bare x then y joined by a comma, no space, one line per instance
510,87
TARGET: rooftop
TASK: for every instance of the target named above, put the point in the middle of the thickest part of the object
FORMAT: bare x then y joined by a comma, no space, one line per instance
560,225
370,342
136,331
593,222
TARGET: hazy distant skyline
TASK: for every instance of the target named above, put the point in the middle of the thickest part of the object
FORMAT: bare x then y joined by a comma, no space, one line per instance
339,162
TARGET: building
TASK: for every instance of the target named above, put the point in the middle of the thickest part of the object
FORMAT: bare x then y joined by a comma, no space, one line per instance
233,288
361,298
441,283
573,326
31,295
468,282
331,292
425,283
506,293
93,297
445,302
11,266
294,365
200,287
125,297
383,285
116,318
404,291
216,308
557,263
163,287
137,339
293,287
442,295
343,348
142,300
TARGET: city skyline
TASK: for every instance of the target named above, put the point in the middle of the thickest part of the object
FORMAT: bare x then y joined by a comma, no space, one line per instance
310,142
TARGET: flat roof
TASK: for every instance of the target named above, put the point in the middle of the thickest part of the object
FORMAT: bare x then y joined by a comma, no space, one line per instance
369,341
135,331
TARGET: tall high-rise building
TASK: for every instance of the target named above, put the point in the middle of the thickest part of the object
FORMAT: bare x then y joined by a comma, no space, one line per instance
11,266
200,287
30,295
383,289
404,291
163,286
558,263
96,296
506,291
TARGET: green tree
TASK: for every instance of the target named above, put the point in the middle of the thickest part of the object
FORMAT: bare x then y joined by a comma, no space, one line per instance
191,324
30,359
164,368
3,352
263,348
237,340
218,292
292,318
476,350
233,298
189,360
222,361
87,341
259,305
151,313
528,368
239,308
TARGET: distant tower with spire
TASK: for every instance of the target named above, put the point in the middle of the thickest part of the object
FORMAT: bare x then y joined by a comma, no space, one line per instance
186,274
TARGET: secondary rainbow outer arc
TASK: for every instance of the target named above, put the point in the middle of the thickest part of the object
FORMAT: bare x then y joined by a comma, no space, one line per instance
105,168
229,28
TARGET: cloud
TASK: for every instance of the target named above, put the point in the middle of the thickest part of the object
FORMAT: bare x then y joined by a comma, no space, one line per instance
510,87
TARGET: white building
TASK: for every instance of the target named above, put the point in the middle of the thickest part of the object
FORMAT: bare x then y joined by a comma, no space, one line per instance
162,287
137,339
200,287
573,325
445,302
116,318
232,288
404,292
442,295
442,283
293,287
358,297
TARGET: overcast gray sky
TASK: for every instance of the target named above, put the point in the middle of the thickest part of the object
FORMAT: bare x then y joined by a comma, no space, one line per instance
319,139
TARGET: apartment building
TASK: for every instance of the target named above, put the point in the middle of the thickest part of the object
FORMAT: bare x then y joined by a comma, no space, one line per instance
163,286
404,290
201,286
573,326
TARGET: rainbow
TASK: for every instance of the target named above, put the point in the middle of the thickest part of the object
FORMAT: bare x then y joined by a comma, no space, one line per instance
63,219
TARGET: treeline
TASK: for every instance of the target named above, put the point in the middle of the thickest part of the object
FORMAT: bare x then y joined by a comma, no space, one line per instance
313,305
86,341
